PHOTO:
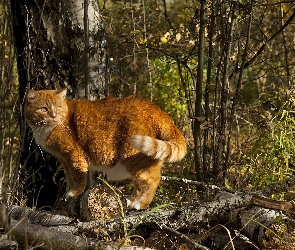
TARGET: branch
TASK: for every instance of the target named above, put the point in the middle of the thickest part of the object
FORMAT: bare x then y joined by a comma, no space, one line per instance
186,239
209,186
261,49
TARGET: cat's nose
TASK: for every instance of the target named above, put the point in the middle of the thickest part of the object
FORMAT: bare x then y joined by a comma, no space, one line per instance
53,115
52,111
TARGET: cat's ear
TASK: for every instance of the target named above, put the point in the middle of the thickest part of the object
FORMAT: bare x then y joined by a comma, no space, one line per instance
30,95
62,92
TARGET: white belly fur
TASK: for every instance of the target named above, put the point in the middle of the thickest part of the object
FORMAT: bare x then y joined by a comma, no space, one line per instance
118,172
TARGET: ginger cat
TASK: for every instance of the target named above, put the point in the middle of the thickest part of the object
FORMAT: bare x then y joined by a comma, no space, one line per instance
125,138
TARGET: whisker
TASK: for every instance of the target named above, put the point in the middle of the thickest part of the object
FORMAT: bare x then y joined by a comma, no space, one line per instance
30,144
42,153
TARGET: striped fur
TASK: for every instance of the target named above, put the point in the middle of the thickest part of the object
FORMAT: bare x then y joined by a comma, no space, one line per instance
168,151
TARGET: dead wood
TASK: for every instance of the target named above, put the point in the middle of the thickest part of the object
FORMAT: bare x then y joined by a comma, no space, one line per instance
258,223
173,218
269,228
285,206
51,238
104,208
38,216
101,202
7,244
58,231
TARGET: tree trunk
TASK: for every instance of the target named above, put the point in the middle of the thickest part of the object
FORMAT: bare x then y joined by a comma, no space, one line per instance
220,164
50,42
199,90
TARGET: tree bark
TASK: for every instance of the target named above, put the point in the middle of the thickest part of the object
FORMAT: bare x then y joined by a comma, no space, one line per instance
50,43
49,238
174,218
199,94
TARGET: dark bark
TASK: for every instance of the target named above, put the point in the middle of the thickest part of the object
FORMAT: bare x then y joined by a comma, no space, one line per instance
237,90
219,164
50,44
206,151
199,94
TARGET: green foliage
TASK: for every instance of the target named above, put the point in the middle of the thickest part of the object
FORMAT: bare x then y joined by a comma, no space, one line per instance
250,93
273,152
167,91
152,52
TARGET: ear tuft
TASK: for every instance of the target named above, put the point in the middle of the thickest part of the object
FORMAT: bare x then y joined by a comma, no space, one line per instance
62,92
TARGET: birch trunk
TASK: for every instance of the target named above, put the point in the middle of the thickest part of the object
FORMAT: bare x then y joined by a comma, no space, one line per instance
39,237
50,42
66,31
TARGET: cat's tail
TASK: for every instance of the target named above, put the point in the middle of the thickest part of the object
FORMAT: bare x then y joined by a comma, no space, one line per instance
169,151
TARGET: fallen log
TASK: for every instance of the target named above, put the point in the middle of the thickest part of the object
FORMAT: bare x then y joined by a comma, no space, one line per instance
170,220
38,216
268,228
256,222
285,206
107,202
49,238
231,207
174,218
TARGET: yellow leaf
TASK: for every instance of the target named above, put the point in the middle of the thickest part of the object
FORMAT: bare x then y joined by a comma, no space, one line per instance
194,61
164,39
178,37
142,41
167,35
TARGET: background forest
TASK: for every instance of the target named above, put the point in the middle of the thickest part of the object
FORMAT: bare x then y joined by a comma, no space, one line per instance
223,70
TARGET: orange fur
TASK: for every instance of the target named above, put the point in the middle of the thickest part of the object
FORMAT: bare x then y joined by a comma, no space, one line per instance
126,138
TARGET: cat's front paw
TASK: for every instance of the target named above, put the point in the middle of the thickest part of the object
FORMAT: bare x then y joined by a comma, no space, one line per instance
133,205
69,195
73,192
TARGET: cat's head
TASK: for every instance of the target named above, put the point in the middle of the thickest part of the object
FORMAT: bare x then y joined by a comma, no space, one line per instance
45,108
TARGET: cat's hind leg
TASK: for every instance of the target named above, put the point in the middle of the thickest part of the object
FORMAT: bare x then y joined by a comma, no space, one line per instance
145,180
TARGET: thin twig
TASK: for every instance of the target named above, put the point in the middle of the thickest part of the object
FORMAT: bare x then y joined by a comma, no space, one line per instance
184,238
169,178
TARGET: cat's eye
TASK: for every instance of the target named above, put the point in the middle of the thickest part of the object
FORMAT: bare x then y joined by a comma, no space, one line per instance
59,108
43,109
